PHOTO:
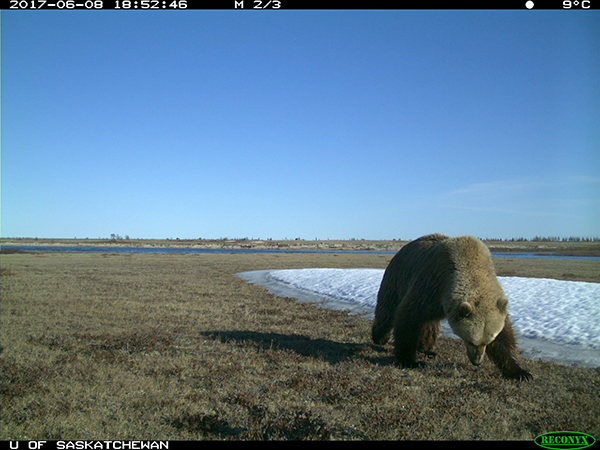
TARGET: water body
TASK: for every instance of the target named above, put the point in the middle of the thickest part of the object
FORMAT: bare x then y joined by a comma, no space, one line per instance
172,250
183,250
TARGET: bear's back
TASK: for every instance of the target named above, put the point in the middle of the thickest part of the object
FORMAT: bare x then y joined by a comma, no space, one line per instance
469,253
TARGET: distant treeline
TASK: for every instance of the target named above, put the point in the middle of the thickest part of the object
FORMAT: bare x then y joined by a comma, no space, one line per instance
548,239
519,239
116,237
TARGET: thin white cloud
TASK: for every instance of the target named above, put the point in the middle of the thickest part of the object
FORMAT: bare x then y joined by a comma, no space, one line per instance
495,188
507,211
529,196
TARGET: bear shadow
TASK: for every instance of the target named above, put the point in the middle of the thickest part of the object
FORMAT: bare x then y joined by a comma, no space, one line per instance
330,351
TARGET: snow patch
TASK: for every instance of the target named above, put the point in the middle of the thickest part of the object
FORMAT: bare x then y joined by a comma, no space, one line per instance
552,319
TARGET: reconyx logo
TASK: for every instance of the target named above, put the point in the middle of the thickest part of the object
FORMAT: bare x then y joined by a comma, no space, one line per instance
570,440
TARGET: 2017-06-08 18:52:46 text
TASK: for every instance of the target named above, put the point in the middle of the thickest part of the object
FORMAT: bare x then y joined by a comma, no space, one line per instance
98,4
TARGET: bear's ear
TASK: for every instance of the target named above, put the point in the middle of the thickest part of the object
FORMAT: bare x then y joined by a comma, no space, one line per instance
503,304
464,310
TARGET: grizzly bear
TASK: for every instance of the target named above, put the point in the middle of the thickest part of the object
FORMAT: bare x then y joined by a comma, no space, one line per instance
436,277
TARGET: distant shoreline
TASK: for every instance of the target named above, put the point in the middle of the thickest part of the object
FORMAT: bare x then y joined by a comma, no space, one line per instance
541,248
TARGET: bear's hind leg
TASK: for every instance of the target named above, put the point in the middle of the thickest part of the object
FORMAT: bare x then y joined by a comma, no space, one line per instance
429,334
502,353
385,310
380,333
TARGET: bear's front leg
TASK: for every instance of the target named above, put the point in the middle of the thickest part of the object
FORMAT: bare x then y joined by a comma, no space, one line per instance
407,333
502,353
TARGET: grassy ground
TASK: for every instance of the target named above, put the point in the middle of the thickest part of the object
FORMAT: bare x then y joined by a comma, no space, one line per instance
148,346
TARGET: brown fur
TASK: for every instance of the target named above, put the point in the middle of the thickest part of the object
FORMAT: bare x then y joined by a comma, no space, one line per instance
436,277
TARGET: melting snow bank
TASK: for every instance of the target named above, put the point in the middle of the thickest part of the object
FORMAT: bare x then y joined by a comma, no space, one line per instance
552,319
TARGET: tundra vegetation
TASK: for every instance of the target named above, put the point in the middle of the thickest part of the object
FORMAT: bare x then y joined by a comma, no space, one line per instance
163,346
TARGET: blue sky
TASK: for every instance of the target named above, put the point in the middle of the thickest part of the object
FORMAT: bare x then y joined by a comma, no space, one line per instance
310,124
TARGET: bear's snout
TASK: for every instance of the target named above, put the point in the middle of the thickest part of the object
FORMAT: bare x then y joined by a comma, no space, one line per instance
475,353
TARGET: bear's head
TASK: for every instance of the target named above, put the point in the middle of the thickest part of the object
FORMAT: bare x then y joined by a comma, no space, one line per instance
478,323
476,306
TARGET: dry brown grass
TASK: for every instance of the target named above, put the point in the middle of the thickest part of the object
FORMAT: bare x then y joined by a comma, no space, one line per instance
142,346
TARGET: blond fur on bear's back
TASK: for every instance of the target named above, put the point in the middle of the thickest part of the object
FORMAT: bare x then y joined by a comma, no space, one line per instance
470,252
474,269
